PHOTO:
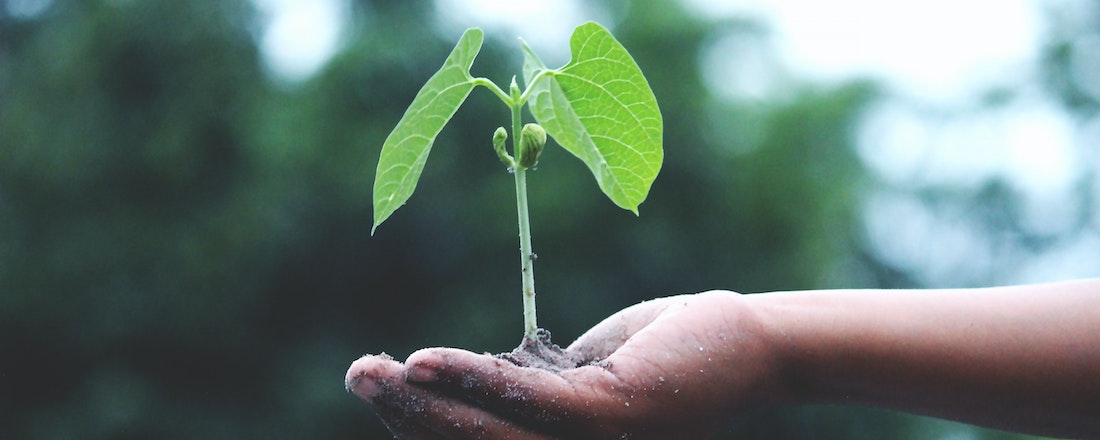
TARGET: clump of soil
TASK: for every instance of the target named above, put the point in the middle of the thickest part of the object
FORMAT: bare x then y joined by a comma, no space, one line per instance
540,352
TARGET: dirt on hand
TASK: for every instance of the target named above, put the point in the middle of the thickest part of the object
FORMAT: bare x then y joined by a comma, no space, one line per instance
541,353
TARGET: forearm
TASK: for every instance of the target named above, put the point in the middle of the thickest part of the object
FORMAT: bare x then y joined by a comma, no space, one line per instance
1021,358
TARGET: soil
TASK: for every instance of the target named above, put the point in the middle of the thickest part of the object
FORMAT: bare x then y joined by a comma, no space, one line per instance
541,353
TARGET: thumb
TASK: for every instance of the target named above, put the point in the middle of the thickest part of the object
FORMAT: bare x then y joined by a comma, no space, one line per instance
610,334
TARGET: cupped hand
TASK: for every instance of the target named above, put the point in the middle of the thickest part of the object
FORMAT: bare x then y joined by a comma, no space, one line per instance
669,368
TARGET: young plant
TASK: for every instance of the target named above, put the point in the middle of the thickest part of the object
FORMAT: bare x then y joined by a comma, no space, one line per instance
599,107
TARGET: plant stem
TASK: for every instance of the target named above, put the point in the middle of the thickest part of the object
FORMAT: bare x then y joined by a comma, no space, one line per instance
526,255
496,90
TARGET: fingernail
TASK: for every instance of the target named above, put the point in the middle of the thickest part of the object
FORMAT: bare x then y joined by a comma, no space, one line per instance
418,373
365,388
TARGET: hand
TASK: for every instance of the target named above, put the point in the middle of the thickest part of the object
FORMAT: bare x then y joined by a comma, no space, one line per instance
674,367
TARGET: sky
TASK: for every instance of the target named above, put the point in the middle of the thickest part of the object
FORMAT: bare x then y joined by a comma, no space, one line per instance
925,131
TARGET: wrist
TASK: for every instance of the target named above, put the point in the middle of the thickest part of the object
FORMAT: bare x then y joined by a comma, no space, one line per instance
761,369
793,373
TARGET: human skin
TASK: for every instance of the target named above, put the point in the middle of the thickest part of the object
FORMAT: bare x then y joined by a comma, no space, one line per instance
1023,358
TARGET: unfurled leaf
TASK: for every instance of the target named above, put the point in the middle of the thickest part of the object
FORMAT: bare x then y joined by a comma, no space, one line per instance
600,108
406,149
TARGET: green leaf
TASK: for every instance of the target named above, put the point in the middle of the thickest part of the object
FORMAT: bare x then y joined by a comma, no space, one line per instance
600,108
407,147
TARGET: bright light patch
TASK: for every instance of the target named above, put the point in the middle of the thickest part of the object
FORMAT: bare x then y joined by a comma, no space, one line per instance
932,245
27,9
1070,260
300,35
1040,153
743,66
935,50
545,25
1030,144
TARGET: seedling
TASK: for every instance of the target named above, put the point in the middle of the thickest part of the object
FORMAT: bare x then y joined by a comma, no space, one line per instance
599,107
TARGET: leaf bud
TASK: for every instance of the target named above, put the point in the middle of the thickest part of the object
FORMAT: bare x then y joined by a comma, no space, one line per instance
499,138
531,141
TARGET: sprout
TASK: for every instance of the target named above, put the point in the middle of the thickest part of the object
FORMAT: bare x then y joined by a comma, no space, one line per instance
532,140
499,138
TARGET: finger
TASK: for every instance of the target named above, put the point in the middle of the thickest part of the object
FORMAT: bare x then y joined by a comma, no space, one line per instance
367,375
412,412
535,397
377,380
606,337
431,415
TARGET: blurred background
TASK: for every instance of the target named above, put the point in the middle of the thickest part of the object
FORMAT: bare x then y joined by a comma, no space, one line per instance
185,190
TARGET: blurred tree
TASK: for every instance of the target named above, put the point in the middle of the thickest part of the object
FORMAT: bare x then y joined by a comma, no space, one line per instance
137,221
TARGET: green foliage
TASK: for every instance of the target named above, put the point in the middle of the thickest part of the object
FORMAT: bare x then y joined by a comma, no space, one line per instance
406,149
599,107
